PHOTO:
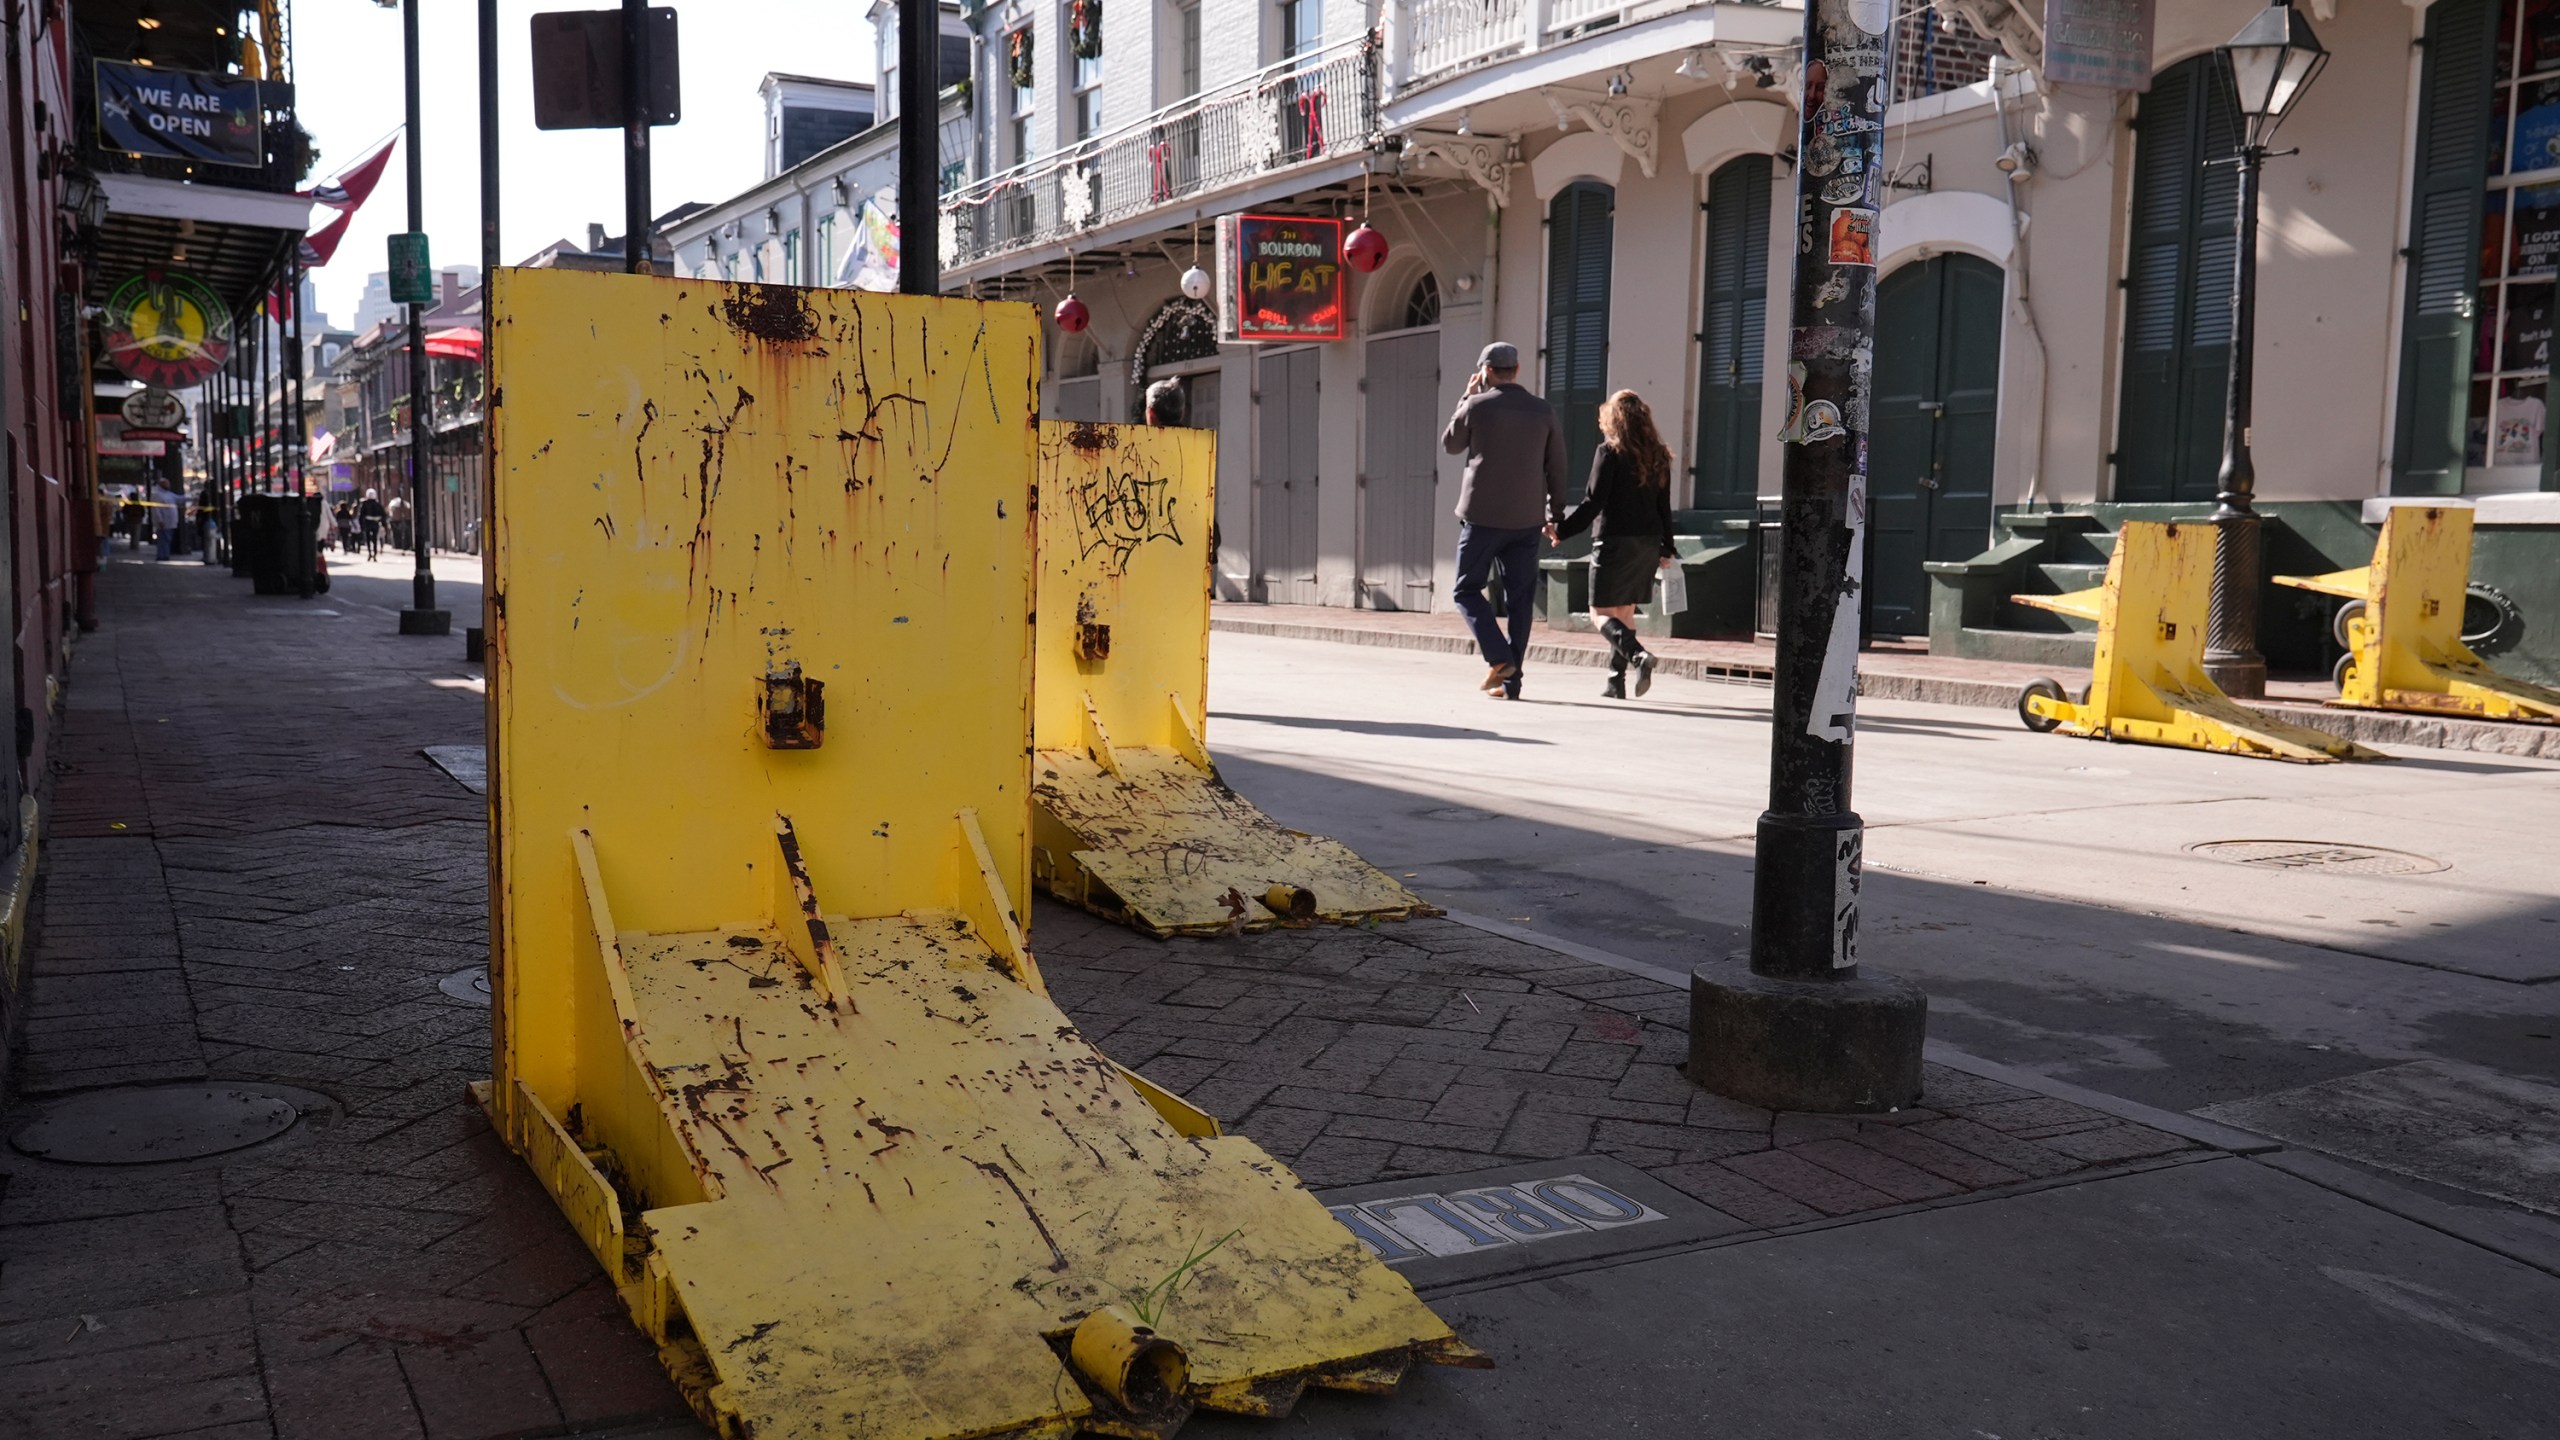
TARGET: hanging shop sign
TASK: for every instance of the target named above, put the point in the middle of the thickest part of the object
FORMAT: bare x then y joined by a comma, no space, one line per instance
115,438
180,114
151,414
167,328
2101,43
1280,277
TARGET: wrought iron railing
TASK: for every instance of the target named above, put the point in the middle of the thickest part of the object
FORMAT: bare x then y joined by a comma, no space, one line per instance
1309,108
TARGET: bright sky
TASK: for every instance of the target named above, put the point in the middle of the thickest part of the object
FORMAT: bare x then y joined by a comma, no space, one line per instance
347,74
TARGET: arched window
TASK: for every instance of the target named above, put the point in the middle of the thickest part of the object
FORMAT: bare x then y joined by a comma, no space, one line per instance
1422,304
1731,328
1580,223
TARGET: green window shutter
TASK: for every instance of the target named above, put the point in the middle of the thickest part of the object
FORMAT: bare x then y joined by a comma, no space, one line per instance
1732,321
2454,90
2177,316
1579,244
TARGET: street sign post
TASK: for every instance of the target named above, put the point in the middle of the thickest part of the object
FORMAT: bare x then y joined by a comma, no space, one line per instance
413,280
611,70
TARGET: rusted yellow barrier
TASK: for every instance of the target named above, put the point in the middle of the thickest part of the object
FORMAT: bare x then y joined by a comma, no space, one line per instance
2148,683
2402,626
1133,821
766,1025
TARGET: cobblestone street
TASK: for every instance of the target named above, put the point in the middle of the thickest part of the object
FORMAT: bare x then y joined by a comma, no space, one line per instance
253,875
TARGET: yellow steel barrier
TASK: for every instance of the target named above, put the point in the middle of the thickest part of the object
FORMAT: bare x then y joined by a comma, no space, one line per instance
1132,820
2148,683
765,1023
2402,626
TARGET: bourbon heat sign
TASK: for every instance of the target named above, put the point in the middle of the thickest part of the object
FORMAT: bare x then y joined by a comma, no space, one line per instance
1280,277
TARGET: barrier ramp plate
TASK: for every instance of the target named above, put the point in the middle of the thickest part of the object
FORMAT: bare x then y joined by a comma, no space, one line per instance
1134,822
2403,625
2147,682
765,1023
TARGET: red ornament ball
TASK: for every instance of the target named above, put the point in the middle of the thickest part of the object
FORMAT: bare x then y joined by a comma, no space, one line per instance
1364,249
1072,316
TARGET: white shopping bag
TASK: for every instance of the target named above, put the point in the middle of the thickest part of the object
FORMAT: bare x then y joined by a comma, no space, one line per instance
1675,589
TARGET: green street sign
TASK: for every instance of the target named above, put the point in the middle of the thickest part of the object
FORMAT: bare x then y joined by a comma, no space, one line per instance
413,280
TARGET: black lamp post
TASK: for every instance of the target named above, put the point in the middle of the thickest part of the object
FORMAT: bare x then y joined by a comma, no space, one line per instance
2268,65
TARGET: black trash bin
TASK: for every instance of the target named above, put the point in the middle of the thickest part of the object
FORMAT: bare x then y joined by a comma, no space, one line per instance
280,535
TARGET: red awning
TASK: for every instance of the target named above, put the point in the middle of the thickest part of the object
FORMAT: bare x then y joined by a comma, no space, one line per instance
462,343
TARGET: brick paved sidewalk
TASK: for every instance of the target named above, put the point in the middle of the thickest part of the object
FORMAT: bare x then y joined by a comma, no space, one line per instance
253,876
1430,1048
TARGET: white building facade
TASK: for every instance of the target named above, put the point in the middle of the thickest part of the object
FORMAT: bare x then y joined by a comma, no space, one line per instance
1610,187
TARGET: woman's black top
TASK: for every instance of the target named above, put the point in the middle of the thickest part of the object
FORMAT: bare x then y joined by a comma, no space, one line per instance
1618,506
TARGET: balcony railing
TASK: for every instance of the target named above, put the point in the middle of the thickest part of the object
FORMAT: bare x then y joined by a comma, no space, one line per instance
1309,108
1433,40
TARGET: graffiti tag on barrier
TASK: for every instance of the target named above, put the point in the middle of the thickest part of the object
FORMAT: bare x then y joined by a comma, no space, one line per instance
1118,510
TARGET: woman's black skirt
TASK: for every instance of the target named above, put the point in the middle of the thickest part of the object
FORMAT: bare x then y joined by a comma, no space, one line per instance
1622,570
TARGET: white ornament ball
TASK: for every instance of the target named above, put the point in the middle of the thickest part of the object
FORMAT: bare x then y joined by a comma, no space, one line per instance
1195,283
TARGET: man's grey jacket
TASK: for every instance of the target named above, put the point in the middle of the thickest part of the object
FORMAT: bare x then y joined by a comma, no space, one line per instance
1515,459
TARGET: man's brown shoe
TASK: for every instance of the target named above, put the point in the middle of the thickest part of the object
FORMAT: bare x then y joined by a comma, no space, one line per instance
1495,678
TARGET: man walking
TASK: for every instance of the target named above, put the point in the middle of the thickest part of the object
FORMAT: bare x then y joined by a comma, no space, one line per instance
1512,494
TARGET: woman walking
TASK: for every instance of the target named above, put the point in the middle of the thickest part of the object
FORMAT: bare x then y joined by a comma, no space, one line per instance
1628,511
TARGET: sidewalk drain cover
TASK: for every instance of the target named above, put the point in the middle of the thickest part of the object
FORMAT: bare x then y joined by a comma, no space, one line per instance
161,1123
2319,855
471,985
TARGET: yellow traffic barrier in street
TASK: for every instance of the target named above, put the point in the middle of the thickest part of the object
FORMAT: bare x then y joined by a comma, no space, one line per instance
2402,626
765,1023
1132,819
2148,683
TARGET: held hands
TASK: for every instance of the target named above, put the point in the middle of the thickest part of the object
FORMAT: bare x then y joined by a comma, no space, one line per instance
1552,541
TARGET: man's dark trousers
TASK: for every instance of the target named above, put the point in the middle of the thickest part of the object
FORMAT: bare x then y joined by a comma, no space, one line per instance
1480,548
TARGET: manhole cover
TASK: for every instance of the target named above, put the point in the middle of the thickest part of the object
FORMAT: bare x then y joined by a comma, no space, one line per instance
2318,855
471,985
148,1126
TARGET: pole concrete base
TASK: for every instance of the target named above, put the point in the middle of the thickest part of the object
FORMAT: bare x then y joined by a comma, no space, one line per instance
426,622
1833,1046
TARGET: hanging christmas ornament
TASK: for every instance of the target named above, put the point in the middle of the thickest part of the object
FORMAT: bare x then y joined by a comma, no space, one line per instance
1072,316
1196,283
1364,249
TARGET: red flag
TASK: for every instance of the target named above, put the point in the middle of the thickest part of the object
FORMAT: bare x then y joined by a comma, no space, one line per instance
353,185
322,243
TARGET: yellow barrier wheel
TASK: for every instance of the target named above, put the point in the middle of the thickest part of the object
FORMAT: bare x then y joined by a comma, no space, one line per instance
2347,613
2344,670
2050,690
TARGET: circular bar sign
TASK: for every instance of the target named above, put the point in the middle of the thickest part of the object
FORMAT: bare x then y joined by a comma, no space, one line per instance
168,329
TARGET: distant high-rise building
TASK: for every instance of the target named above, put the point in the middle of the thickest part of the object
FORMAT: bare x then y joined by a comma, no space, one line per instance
376,305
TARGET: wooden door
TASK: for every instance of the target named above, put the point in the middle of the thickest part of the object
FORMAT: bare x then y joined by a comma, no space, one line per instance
1284,482
1935,402
1399,479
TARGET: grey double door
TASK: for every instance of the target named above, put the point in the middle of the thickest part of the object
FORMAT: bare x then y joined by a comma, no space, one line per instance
1399,480
1935,407
1284,480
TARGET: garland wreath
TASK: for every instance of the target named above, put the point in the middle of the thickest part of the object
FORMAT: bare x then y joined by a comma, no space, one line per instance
1084,28
1017,55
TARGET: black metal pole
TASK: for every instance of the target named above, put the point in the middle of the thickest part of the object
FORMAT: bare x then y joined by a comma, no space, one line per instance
488,160
635,136
919,148
422,617
2231,658
1796,1026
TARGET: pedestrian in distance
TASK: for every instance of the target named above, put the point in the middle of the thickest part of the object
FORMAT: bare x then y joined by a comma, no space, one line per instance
1627,509
369,518
1512,493
1166,404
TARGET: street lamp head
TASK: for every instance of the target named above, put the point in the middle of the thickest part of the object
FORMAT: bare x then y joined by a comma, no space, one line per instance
2273,59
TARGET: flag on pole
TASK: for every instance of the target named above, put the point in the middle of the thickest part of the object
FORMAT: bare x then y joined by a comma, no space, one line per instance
322,243
350,188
